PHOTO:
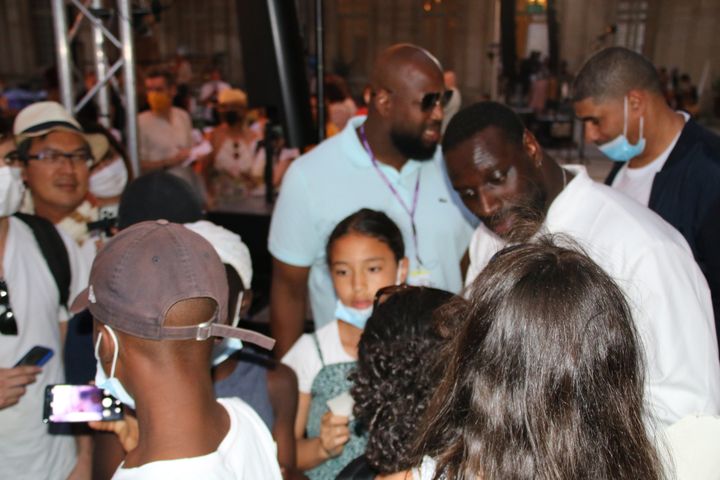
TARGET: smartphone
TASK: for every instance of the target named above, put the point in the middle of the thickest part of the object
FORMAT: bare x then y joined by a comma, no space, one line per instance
37,356
80,403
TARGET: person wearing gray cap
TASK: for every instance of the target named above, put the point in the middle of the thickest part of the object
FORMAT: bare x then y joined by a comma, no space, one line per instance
158,295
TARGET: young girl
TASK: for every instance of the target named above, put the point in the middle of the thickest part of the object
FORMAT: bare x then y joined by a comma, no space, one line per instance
365,252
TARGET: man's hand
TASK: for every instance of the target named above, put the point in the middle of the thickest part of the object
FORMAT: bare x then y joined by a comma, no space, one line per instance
127,430
13,382
334,434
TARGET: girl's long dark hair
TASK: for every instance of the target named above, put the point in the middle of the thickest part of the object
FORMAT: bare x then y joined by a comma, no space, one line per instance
544,377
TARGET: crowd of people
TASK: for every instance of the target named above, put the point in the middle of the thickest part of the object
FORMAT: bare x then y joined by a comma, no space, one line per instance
479,310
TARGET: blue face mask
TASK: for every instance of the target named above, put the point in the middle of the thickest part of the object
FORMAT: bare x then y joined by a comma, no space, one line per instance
353,316
620,149
111,384
224,349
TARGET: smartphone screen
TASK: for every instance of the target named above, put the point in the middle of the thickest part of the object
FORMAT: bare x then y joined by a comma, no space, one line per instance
80,403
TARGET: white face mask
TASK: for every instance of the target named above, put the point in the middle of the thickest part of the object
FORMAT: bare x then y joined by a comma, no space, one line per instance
110,181
12,189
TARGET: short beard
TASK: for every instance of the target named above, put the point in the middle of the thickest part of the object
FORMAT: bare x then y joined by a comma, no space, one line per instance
411,147
529,214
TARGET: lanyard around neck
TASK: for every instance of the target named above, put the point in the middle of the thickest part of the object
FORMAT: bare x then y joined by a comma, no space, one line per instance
416,195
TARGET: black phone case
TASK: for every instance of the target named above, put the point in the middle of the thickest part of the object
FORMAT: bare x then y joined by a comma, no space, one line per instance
36,356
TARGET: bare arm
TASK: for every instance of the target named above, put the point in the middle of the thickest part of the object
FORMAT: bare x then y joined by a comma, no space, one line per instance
288,297
83,464
334,434
283,393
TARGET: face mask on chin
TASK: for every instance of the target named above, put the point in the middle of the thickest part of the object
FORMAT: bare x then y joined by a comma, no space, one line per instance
355,317
620,149
12,190
111,384
110,181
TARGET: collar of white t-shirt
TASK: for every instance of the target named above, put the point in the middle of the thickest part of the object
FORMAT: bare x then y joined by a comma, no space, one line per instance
637,182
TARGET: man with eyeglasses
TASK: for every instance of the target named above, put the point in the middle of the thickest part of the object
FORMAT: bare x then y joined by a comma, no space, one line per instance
30,310
388,161
57,166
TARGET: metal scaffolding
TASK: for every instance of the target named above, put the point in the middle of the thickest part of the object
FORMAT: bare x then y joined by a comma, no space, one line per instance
105,75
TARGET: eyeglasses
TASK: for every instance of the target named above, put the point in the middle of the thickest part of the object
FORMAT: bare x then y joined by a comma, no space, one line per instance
8,326
55,158
384,293
429,100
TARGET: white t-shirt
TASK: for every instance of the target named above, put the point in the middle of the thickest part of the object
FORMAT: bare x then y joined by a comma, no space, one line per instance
303,357
668,295
247,452
27,450
691,448
637,182
159,138
426,470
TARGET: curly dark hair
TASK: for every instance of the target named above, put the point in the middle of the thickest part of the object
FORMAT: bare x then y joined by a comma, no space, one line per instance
396,374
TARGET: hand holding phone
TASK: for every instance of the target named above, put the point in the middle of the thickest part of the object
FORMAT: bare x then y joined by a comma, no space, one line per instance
126,430
13,382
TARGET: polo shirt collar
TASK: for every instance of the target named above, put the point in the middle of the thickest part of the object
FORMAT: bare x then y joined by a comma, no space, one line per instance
359,157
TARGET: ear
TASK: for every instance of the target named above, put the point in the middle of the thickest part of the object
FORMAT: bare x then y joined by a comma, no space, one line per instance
246,302
382,99
532,148
403,267
637,102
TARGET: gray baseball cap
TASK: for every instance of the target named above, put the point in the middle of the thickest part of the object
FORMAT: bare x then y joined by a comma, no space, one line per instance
149,267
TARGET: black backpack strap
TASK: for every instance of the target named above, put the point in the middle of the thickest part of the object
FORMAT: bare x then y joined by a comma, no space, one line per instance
54,250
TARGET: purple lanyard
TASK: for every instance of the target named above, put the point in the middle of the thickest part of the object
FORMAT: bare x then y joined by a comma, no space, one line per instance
410,211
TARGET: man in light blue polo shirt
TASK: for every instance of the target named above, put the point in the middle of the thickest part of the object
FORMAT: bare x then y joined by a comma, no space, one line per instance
388,161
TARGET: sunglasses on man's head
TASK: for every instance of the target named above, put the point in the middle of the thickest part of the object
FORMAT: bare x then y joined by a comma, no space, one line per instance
429,100
8,326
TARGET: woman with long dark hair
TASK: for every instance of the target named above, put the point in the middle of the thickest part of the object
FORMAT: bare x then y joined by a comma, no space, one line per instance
544,376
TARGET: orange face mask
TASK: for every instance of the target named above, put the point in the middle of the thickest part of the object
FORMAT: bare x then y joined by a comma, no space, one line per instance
159,101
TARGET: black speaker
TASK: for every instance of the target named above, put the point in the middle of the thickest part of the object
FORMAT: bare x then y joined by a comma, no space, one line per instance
274,66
